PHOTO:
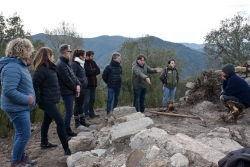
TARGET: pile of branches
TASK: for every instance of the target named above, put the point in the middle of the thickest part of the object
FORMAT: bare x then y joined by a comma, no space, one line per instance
207,87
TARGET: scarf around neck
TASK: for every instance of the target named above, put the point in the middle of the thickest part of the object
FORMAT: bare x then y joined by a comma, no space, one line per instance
79,61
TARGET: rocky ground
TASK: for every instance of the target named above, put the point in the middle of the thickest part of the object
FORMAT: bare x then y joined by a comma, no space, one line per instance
172,125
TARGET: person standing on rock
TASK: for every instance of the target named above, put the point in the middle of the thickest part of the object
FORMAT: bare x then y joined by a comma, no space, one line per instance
112,76
69,85
18,96
78,60
169,78
140,80
47,91
92,70
234,88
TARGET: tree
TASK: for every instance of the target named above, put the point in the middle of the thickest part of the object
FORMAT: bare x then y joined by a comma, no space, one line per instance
231,42
11,28
63,34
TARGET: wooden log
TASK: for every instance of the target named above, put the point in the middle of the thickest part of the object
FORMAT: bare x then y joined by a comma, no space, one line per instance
174,115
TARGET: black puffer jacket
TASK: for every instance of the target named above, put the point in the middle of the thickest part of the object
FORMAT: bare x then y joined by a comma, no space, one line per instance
46,85
92,70
112,75
66,77
80,73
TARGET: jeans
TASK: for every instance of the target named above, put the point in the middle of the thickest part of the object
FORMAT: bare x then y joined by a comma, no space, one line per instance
89,100
168,94
78,109
21,122
68,104
224,99
139,96
52,112
112,93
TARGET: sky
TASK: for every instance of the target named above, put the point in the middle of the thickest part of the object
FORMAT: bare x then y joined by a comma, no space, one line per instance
171,20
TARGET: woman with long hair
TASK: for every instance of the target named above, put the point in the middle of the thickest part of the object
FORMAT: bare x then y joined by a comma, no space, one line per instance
18,96
47,91
78,60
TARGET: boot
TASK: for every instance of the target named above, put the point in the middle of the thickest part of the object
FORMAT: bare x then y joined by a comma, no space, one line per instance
83,122
66,149
70,132
77,123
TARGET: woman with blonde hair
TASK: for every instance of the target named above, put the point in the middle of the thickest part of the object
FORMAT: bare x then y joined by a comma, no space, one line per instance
47,91
18,96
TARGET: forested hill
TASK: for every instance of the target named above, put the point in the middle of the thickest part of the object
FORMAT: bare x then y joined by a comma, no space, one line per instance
104,46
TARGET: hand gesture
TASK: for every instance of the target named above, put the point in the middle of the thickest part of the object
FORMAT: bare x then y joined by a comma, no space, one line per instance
158,69
148,81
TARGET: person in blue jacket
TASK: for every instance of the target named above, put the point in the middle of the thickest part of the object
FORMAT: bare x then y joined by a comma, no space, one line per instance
18,96
234,88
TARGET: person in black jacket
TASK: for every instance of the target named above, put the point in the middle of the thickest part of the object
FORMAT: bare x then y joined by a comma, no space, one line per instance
69,85
78,60
47,91
92,70
112,76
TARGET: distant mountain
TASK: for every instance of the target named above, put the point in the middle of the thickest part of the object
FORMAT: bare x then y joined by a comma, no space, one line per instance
198,47
104,46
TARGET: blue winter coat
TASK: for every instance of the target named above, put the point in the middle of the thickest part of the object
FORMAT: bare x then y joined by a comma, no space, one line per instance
16,85
238,87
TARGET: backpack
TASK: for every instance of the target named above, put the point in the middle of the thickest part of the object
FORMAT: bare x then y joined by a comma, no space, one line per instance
164,80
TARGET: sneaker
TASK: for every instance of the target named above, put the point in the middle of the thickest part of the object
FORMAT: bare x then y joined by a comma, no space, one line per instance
29,161
94,116
87,117
48,145
67,152
20,164
106,118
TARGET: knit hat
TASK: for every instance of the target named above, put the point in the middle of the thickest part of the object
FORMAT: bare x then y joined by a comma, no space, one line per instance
228,69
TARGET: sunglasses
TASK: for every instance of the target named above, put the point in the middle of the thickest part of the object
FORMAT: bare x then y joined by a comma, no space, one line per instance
69,51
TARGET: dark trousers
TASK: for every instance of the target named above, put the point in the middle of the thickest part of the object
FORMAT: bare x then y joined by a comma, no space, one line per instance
68,105
51,112
139,97
89,101
78,109
224,99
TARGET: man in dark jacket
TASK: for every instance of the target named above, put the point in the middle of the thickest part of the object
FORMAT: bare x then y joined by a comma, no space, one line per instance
235,88
69,85
112,77
92,70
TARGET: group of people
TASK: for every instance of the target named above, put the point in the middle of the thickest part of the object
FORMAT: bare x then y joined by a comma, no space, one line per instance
74,79
75,82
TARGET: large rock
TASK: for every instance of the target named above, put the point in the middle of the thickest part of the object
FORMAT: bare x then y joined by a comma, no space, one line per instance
190,85
179,160
134,157
219,139
119,160
98,152
240,69
159,162
81,143
153,152
124,130
104,138
198,152
122,111
149,137
83,159
248,80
